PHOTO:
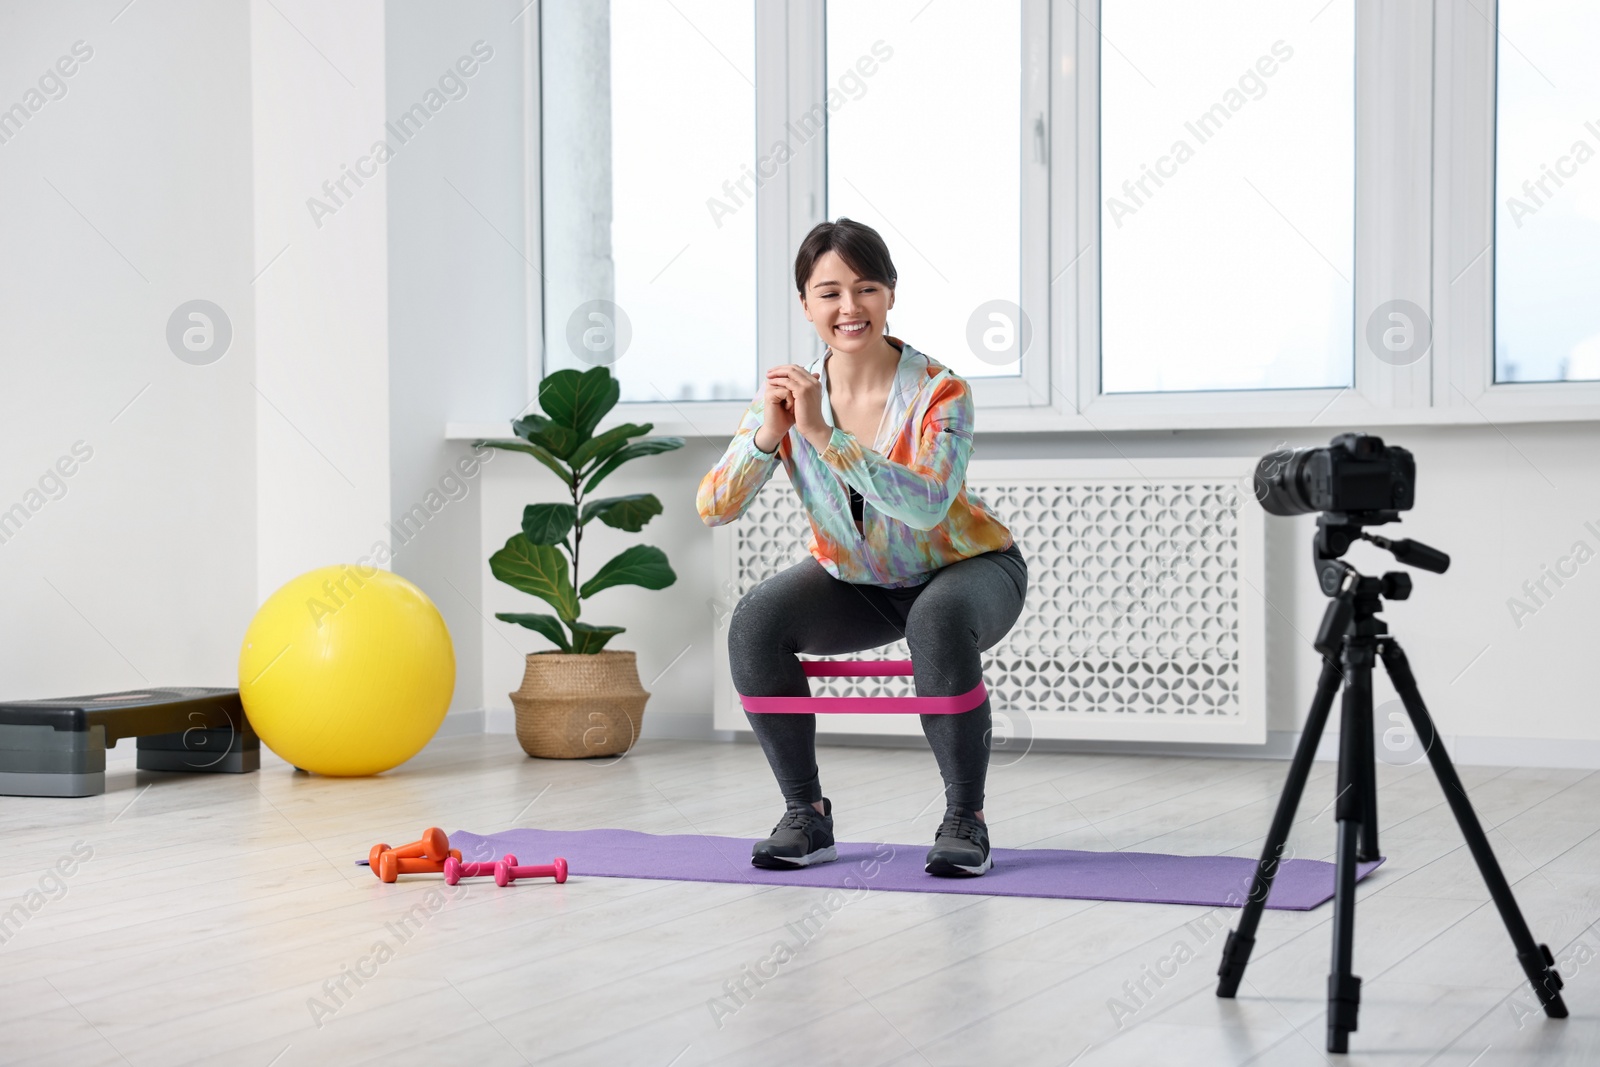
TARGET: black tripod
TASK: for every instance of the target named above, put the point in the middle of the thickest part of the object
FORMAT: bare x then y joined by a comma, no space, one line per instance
1350,638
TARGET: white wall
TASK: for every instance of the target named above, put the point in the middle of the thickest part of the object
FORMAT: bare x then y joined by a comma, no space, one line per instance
322,381
177,164
125,197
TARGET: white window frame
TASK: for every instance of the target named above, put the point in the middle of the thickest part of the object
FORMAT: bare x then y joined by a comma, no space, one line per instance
791,53
1464,214
1390,260
1424,217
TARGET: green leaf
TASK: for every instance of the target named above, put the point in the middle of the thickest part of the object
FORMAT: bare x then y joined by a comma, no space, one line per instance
535,428
538,452
539,570
579,401
548,625
547,524
639,565
648,447
587,640
628,513
606,443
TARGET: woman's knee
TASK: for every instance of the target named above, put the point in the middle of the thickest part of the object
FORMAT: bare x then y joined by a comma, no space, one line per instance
947,646
941,624
974,609
758,619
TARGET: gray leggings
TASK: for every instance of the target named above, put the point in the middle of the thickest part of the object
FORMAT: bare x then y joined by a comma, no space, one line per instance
962,610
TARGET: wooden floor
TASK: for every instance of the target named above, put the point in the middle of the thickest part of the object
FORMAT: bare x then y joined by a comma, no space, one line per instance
214,917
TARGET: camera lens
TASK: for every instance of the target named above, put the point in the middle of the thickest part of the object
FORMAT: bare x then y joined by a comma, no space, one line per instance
1280,482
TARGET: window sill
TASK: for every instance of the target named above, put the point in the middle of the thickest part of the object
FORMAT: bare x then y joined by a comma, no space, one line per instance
717,420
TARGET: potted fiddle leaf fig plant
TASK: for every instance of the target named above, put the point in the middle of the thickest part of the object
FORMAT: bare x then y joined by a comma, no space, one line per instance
580,698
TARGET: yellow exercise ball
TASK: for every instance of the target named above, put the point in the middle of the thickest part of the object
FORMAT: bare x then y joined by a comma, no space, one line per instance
347,671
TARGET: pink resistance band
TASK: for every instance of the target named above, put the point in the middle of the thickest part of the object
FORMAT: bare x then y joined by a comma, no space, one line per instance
864,705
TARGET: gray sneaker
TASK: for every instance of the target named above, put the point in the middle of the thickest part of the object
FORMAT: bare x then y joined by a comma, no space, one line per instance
801,838
961,847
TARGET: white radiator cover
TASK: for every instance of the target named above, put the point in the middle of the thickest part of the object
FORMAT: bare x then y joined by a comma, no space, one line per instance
1144,618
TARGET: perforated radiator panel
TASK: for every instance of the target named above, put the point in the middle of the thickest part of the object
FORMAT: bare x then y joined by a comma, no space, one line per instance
1143,617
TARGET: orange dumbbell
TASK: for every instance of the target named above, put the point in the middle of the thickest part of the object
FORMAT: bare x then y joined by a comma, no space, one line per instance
433,845
391,866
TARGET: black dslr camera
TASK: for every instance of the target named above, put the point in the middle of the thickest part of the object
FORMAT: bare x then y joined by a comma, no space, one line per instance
1356,481
1357,475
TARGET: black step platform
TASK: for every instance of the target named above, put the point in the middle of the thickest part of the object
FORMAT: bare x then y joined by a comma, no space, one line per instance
57,748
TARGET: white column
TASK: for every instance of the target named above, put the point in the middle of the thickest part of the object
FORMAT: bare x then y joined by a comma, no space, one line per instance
322,335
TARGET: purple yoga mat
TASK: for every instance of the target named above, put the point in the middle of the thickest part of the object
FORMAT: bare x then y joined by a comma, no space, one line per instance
1142,877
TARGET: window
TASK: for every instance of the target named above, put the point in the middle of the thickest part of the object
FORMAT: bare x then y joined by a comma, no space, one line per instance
649,263
1226,195
925,147
1214,214
1547,186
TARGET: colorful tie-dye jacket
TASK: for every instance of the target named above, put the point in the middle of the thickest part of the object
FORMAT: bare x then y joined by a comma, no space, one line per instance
918,515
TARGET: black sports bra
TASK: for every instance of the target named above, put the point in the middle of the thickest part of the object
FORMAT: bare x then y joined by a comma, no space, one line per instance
855,502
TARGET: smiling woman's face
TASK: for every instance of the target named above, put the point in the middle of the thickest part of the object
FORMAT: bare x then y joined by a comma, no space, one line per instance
848,312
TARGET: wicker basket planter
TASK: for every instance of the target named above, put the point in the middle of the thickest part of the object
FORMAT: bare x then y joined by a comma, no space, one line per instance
573,706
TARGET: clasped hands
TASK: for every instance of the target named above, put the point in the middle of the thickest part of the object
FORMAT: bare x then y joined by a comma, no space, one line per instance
792,398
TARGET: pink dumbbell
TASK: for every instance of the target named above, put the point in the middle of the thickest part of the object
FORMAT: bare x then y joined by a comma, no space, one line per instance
455,870
506,873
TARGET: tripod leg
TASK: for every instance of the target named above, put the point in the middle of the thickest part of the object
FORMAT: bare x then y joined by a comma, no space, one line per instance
1236,952
1537,962
1344,988
1367,848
